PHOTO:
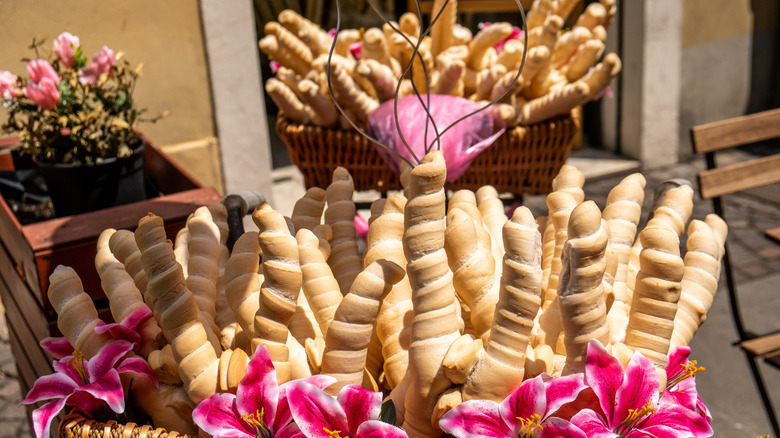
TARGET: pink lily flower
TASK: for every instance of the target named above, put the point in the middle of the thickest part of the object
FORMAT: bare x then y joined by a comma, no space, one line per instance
40,69
101,64
354,413
44,93
629,401
259,408
65,47
681,383
88,384
8,84
527,412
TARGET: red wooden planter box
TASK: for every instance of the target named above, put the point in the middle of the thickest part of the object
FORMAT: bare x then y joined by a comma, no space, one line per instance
29,254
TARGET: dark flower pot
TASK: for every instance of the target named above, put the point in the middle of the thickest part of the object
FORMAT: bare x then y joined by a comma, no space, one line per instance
80,188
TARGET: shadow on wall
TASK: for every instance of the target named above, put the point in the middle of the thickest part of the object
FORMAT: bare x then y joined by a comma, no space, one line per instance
765,56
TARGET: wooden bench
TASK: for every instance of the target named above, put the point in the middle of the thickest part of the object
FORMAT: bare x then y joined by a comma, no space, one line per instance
715,182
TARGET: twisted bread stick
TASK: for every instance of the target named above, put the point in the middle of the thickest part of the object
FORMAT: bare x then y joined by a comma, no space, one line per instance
567,44
242,281
346,344
203,269
375,47
485,39
280,288
124,248
349,94
581,291
288,102
310,33
122,294
442,31
319,286
699,283
340,215
657,291
500,370
559,101
76,313
622,213
307,212
539,12
435,325
547,34
294,48
393,325
197,359
595,14
379,75
583,59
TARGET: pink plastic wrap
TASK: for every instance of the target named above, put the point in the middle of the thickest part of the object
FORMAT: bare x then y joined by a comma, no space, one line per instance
460,145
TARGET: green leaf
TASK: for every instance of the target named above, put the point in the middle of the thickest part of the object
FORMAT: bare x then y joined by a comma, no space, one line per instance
387,413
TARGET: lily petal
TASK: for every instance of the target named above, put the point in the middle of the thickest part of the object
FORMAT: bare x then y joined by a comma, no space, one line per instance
118,331
50,386
41,417
314,411
109,389
63,367
555,427
290,431
527,400
592,424
474,419
137,366
604,374
562,390
106,358
359,404
137,317
640,387
661,431
219,417
258,390
58,347
378,429
283,414
679,418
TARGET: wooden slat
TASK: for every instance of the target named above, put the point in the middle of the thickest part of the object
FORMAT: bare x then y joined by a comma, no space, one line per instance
736,131
18,295
773,234
763,345
739,177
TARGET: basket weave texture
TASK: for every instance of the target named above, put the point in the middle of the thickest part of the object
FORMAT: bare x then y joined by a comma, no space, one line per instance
75,425
522,161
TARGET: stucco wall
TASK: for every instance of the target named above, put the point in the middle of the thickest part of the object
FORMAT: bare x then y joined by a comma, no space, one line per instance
165,35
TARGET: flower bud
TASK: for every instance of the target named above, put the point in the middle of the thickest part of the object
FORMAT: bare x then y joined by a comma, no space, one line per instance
65,47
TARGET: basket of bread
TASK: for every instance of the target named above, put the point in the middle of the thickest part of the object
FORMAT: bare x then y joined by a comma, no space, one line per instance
536,81
455,318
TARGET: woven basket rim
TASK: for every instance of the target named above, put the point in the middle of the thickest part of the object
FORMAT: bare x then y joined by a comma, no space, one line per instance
77,425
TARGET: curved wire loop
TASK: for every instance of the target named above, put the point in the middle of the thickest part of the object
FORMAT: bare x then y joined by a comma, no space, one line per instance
408,71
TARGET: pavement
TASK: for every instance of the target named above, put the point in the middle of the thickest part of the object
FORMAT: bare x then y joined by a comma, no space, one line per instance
726,387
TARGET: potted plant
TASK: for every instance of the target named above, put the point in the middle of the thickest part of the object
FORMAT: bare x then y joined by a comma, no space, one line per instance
76,119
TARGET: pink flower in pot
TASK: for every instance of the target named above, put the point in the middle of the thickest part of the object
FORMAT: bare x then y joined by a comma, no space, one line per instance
101,64
8,85
42,89
65,47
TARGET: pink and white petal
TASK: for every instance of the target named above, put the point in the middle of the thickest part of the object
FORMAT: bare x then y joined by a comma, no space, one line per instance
290,431
118,332
379,429
474,419
109,389
592,424
315,411
217,416
62,367
604,374
563,390
58,347
660,431
258,390
50,386
555,427
680,418
359,404
137,366
106,358
524,402
283,414
319,380
138,316
41,417
640,387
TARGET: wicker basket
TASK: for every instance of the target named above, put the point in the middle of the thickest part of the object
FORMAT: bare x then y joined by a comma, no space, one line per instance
75,425
524,160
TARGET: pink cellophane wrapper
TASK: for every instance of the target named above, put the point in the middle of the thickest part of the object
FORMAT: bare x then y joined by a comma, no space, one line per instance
460,145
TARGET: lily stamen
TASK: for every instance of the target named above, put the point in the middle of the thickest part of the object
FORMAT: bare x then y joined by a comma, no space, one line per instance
686,371
256,421
529,426
77,363
633,418
333,433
